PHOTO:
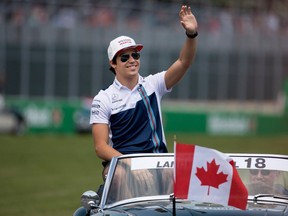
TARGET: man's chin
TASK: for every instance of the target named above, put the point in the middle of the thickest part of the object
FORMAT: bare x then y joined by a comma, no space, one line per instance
133,72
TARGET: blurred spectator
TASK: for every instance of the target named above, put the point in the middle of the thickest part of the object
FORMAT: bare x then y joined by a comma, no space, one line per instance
66,17
271,23
38,16
240,17
17,17
226,21
102,17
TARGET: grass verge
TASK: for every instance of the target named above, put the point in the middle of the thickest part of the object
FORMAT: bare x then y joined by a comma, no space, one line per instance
46,174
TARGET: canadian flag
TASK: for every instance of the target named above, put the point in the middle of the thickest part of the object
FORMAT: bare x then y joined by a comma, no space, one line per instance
207,175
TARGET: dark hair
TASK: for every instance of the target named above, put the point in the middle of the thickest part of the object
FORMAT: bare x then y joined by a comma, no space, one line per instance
114,62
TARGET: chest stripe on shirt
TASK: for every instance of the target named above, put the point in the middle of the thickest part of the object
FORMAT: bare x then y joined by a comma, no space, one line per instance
152,120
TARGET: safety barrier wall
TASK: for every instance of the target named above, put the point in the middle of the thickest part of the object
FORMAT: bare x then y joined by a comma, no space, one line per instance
42,116
66,116
225,123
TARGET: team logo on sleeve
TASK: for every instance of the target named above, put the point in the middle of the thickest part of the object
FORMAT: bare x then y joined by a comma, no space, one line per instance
95,112
97,106
94,109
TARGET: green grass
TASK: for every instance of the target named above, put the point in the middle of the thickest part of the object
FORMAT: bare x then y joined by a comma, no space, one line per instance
45,175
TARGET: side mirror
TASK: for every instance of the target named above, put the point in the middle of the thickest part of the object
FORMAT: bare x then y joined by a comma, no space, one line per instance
90,200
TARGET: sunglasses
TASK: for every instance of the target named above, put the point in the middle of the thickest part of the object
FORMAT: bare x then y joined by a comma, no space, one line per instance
263,172
125,57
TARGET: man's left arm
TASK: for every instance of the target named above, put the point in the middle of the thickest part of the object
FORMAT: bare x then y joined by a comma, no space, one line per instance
177,70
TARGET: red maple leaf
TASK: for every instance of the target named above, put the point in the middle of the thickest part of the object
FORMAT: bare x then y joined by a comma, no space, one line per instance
210,177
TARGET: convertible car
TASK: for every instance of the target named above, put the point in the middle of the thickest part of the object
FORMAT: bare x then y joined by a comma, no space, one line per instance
142,184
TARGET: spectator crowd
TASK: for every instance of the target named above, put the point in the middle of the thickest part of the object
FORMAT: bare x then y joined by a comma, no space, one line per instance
268,17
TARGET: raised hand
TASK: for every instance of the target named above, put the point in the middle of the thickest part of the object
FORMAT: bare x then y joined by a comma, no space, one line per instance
188,20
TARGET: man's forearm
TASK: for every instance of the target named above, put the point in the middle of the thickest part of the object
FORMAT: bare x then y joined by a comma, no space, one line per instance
106,152
188,51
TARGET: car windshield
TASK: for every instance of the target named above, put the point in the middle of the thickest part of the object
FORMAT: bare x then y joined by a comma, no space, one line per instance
141,177
152,176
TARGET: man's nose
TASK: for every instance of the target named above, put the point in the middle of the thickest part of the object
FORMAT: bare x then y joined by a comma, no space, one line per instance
131,58
259,175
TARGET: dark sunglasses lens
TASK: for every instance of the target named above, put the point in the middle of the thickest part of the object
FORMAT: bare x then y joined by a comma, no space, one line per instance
124,57
263,172
135,55
253,172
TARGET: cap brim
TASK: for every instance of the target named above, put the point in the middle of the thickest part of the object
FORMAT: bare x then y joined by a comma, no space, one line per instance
139,47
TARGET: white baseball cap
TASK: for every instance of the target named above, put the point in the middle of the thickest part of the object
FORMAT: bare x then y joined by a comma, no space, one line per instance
120,43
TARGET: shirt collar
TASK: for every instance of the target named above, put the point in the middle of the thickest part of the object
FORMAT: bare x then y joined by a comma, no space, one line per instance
118,85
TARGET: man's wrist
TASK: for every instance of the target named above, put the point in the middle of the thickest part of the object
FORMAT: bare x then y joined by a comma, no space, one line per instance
194,35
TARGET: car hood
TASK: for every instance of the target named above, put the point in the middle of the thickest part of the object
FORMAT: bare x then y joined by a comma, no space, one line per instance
183,209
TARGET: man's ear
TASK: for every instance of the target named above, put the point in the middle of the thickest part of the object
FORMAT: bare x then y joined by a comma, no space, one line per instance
113,65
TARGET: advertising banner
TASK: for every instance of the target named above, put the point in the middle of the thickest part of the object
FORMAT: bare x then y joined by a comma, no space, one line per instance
56,116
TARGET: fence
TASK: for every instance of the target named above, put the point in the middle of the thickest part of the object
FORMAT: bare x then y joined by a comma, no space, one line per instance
65,55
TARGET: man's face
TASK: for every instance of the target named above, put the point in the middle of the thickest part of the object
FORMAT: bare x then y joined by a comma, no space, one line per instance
262,181
263,177
127,63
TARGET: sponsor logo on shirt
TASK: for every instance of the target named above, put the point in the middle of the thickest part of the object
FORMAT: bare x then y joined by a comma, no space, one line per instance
120,107
115,98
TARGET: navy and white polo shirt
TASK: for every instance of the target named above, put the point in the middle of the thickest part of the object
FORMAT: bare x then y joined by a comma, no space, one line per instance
134,116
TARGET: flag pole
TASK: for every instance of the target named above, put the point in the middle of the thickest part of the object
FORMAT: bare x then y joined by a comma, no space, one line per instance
172,195
173,204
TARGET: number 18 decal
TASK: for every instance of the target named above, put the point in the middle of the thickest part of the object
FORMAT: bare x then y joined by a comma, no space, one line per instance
259,163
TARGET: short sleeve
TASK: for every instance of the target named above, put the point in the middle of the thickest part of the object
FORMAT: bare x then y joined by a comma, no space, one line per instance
159,80
100,112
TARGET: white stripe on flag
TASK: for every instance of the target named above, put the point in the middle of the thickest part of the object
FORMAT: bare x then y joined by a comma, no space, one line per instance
207,175
202,157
